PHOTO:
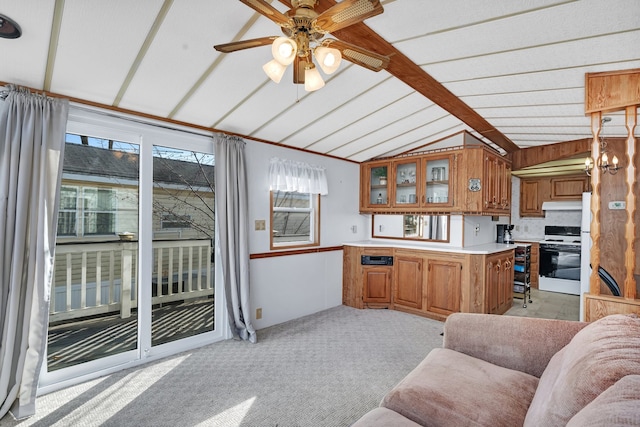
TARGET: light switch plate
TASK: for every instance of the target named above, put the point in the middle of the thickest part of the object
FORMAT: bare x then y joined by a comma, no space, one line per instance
260,224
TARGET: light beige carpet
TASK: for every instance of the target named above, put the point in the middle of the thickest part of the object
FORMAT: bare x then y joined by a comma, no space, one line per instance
326,369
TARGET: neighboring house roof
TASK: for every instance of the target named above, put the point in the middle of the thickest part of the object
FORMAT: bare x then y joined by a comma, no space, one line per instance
96,161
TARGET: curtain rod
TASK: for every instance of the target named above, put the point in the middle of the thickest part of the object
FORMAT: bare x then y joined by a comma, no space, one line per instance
102,108
108,113
124,114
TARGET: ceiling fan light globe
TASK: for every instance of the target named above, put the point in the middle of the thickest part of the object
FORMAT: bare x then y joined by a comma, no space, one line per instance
312,79
284,50
329,59
274,70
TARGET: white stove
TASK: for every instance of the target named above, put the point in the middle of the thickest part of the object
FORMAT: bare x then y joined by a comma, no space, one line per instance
560,254
561,235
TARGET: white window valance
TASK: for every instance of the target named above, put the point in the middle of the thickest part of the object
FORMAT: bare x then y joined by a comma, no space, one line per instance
288,175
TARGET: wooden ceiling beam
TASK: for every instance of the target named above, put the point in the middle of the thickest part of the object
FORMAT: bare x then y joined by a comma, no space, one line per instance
532,156
413,75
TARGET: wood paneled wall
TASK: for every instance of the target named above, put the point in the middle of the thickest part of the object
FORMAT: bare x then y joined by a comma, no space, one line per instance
613,222
614,231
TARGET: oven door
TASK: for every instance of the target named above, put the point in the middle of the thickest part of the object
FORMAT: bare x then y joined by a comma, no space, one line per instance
560,261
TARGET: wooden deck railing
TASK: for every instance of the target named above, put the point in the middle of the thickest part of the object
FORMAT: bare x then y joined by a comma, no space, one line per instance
98,278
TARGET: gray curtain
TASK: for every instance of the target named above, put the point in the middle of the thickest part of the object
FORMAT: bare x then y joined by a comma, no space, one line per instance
32,129
232,238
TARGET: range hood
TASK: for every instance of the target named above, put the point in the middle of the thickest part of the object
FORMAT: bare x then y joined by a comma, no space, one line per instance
569,205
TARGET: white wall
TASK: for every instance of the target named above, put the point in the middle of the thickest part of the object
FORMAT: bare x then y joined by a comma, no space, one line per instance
486,229
288,287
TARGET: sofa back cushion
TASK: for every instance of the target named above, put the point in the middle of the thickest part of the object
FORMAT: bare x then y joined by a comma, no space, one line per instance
596,358
617,406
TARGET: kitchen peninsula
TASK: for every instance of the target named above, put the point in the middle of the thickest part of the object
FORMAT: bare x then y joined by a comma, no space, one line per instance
430,280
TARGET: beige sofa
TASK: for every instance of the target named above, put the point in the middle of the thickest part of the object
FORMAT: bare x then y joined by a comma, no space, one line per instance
515,371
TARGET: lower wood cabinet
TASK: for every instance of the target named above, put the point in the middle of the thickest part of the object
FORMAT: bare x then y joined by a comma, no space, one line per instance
499,282
377,285
408,280
535,265
429,283
443,292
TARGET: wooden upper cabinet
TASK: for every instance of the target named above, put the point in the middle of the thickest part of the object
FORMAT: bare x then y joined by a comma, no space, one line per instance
505,187
530,198
468,180
375,189
534,191
406,185
439,177
497,189
491,187
569,188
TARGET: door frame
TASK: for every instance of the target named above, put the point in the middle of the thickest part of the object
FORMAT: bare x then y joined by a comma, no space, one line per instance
146,133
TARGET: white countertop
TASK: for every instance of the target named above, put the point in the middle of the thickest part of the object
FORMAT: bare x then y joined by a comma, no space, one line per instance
484,249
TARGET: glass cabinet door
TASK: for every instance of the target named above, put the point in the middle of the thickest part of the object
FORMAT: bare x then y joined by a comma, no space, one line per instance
406,175
378,187
438,180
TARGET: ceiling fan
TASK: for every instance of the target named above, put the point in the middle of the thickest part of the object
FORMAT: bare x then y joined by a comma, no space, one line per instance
304,31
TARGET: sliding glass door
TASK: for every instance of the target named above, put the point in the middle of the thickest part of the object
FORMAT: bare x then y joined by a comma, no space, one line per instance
182,293
93,312
134,272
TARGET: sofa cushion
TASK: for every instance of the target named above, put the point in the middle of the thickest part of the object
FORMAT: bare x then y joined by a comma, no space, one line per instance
384,417
619,405
596,358
452,388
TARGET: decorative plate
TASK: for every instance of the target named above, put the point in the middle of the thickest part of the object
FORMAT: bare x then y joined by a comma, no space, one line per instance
474,184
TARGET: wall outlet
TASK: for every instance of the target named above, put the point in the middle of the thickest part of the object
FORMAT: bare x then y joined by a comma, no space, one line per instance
260,224
258,313
354,229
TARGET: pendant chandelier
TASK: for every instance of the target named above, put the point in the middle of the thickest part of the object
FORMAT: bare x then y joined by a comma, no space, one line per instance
603,162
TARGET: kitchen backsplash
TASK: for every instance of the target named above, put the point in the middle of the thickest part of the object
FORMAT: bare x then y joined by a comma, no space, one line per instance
534,227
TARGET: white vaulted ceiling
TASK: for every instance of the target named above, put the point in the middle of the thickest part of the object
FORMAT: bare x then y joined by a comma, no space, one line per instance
519,64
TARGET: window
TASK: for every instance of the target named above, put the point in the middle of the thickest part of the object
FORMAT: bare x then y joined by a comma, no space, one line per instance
99,211
294,219
170,221
68,212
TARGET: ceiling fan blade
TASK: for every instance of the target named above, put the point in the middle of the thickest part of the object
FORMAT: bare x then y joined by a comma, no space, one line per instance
358,55
265,9
299,66
345,13
244,44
